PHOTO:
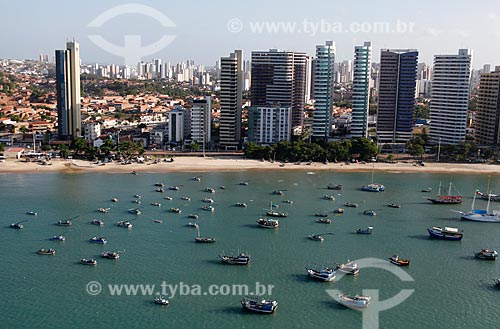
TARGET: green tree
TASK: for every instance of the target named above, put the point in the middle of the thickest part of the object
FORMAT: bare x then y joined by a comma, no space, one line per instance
364,148
79,145
2,147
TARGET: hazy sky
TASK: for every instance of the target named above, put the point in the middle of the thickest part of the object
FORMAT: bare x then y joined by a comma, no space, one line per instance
202,30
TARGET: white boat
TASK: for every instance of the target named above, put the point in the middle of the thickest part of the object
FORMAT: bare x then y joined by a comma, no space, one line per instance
97,222
208,208
324,274
169,198
134,211
58,238
124,224
103,210
368,230
209,190
370,213
316,237
348,268
478,215
32,213
156,204
373,187
208,200
328,197
354,301
240,259
161,300
268,223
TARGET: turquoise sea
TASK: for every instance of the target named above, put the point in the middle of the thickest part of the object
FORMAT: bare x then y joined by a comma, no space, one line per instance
452,289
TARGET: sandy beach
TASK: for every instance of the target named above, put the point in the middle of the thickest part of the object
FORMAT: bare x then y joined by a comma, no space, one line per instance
200,164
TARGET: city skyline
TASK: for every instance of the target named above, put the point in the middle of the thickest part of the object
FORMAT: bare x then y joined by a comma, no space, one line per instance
426,28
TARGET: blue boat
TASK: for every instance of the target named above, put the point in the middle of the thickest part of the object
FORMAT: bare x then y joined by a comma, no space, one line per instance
445,233
258,305
323,274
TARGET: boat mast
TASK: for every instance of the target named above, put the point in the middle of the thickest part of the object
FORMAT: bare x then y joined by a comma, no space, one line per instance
439,189
474,201
488,190
373,170
449,189
488,204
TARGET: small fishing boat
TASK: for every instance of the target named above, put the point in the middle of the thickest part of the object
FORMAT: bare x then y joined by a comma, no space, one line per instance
244,183
136,201
288,201
393,205
85,261
161,300
160,184
208,200
324,274
204,240
100,240
174,188
278,192
160,190
445,233
208,208
426,190
274,213
97,222
175,210
197,179
259,305
337,187
240,204
209,190
156,204
59,237
240,259
398,261
338,211
351,205
137,196
185,198
31,213
44,251
370,213
134,211
124,224
65,222
169,198
497,282
17,226
367,230
195,225
487,254
110,255
321,214
324,221
350,267
103,210
114,200
268,223
356,302
222,187
159,221
194,216
328,197
316,237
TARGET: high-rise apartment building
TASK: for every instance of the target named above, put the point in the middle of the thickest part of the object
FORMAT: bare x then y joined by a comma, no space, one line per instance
69,118
279,79
201,121
450,97
231,94
487,120
396,102
269,125
361,90
323,82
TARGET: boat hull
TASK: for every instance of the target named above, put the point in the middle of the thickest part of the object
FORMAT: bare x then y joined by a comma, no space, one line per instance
441,236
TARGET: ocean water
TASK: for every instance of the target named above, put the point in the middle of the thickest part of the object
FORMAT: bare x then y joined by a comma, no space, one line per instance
451,288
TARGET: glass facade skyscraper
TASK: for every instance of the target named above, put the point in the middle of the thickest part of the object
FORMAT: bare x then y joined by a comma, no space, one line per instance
361,90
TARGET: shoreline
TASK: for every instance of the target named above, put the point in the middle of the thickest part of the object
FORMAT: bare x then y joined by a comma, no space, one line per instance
200,164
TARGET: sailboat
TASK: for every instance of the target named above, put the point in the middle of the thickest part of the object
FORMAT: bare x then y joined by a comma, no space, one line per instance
373,187
202,240
488,195
479,215
446,199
